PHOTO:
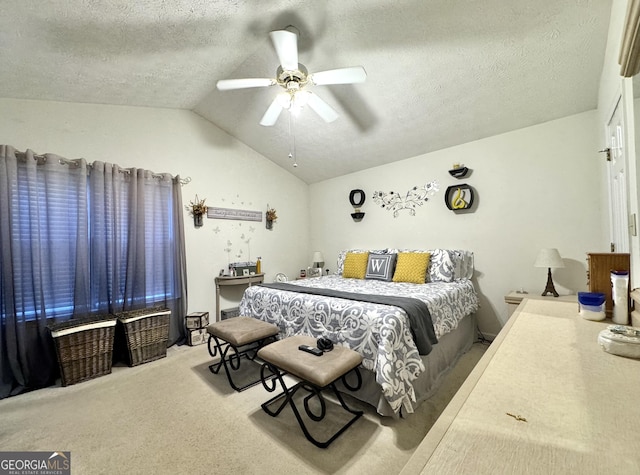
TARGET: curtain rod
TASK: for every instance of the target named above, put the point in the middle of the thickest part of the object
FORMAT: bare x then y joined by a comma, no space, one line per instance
64,161
24,155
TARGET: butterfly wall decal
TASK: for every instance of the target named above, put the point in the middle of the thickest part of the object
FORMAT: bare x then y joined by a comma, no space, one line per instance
416,196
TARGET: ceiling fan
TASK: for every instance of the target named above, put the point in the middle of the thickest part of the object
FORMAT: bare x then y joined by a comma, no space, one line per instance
293,77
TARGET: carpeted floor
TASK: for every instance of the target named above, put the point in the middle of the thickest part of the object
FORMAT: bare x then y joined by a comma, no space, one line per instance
174,416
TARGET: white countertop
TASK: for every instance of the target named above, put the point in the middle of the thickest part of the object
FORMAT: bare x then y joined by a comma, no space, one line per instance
581,404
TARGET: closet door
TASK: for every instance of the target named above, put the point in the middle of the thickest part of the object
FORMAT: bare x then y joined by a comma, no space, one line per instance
618,195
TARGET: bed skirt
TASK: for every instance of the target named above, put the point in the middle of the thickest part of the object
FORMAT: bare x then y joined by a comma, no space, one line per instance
438,363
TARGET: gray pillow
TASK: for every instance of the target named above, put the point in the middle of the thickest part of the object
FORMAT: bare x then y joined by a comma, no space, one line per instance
447,265
441,266
381,266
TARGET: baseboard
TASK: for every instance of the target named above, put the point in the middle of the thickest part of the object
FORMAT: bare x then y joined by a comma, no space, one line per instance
484,337
488,336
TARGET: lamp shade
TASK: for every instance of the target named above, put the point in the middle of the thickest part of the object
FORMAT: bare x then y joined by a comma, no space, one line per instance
549,258
318,259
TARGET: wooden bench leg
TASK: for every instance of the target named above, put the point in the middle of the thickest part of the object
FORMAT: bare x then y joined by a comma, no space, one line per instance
287,395
230,356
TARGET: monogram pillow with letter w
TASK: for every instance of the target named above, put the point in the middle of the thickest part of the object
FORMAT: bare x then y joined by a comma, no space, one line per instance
381,266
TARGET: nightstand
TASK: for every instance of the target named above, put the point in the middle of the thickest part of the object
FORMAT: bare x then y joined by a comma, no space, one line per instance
514,298
222,281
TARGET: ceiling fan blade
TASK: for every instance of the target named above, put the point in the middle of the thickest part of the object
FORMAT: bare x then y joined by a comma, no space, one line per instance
350,75
229,84
273,112
286,45
321,108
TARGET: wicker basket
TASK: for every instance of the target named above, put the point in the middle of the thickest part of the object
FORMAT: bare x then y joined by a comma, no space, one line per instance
84,347
146,333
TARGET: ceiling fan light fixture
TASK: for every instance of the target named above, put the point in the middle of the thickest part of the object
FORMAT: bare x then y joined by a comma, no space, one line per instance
293,101
293,77
300,99
284,99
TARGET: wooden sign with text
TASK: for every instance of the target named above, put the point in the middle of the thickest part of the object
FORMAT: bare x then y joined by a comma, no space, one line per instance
239,214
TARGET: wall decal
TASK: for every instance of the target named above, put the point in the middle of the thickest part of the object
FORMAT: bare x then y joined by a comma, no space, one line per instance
235,233
416,196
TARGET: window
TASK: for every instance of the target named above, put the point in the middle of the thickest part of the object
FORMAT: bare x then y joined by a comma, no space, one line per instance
82,244
45,219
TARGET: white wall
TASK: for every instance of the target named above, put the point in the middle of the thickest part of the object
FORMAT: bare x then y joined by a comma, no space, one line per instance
224,171
536,187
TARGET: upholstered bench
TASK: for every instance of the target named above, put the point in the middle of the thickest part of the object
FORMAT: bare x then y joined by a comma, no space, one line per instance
237,337
316,374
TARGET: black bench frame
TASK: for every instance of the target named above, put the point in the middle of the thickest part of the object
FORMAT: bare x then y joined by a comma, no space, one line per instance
314,391
231,361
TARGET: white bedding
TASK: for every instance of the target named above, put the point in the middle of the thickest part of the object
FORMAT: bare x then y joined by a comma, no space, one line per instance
380,333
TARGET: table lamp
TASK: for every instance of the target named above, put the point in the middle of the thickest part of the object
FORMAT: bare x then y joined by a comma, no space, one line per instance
318,260
549,258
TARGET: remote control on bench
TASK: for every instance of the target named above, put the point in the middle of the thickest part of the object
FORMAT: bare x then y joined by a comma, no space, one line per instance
310,349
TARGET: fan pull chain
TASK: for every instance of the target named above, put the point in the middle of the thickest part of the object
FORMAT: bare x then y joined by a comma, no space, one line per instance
292,141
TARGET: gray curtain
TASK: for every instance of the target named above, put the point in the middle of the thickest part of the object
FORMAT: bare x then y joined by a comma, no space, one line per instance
35,260
78,239
137,242
179,254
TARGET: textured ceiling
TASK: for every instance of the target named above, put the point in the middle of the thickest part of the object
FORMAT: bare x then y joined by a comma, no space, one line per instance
440,72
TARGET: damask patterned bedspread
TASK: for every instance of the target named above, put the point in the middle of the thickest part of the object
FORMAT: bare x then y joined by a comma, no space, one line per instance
380,333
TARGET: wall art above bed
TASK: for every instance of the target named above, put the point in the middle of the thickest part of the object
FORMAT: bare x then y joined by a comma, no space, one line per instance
356,198
415,197
459,197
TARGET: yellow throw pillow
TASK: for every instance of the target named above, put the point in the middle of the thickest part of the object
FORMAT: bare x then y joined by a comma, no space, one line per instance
355,265
411,267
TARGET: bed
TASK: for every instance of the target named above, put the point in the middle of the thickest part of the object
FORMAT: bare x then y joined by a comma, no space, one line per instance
400,373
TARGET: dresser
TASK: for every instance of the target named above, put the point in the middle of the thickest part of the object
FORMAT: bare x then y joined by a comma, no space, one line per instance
545,398
599,267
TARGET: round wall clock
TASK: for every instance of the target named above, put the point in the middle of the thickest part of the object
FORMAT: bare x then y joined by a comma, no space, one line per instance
280,277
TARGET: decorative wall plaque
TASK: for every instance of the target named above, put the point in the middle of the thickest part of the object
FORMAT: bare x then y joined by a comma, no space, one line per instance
415,197
229,213
459,197
357,198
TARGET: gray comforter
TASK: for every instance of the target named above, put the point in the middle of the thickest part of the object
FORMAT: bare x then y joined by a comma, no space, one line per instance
417,311
381,333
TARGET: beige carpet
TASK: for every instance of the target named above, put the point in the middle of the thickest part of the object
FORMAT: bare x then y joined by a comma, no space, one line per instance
174,416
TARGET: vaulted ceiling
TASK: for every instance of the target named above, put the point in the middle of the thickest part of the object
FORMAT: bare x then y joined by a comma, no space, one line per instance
439,72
